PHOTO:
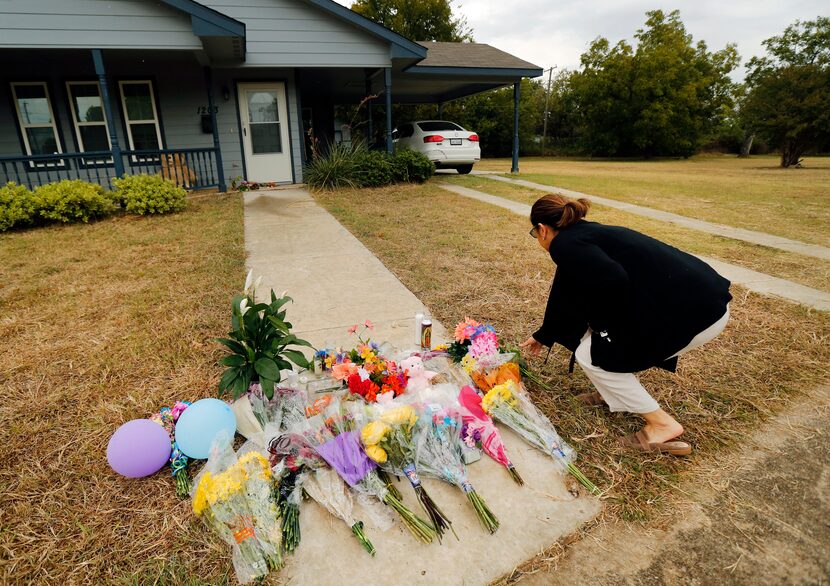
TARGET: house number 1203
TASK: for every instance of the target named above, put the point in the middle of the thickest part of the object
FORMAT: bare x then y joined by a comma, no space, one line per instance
207,110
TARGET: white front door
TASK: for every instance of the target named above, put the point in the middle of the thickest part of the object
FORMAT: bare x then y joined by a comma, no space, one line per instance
264,117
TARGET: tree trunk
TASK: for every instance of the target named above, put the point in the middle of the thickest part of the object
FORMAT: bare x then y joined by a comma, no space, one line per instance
746,145
791,154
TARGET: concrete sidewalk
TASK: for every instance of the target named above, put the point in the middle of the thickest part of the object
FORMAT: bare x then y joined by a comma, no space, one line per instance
752,236
336,282
752,280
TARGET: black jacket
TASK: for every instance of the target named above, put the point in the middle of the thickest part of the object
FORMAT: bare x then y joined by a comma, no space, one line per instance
643,299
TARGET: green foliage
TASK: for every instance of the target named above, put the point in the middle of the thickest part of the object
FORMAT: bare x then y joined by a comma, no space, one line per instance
71,200
789,90
148,194
412,166
17,207
372,168
343,166
417,20
260,345
662,98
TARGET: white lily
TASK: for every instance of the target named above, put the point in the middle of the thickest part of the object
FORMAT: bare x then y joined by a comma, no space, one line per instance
248,280
258,282
243,306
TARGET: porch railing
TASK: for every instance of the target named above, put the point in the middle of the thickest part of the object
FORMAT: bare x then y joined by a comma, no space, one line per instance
193,168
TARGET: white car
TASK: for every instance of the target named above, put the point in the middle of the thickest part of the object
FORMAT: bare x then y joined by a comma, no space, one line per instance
446,144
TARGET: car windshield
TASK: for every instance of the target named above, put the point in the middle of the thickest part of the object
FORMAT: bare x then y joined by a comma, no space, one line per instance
435,125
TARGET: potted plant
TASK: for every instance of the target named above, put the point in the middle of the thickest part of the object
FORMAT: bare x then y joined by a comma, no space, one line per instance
261,345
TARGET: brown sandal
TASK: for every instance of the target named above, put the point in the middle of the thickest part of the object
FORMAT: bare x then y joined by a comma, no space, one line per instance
639,441
592,398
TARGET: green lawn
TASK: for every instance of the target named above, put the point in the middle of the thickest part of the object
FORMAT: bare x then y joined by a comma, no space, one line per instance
805,270
753,193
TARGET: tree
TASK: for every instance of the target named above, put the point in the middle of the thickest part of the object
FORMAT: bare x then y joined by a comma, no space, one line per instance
662,98
789,90
418,20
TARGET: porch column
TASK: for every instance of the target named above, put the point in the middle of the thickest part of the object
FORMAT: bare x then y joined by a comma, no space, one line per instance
370,132
98,61
516,93
220,170
387,78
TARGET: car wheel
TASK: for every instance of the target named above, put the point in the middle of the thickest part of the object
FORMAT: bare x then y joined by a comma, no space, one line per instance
464,169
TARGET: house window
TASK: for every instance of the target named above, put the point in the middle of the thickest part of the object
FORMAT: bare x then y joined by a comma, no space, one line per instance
141,116
37,120
88,117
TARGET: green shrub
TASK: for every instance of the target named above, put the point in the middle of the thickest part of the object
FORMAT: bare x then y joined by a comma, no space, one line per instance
148,194
372,168
412,166
17,207
334,170
71,200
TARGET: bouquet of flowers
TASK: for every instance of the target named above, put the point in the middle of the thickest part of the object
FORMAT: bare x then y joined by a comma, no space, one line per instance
365,370
486,358
167,418
439,454
334,438
479,429
327,488
235,498
390,440
509,404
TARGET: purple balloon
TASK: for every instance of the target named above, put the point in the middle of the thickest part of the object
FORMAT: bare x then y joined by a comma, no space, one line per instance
139,448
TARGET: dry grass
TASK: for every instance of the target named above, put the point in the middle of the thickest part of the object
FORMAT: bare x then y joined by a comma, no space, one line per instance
101,324
806,270
752,193
473,259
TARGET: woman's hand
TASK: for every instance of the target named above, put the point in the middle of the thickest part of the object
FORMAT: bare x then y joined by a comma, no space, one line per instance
532,345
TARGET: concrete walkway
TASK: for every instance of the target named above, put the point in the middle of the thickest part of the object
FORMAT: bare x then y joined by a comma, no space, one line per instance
336,282
752,280
761,238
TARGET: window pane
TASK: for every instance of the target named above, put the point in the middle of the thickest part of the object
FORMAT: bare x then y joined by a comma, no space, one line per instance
262,106
87,103
139,101
95,138
144,137
33,104
265,138
438,125
42,141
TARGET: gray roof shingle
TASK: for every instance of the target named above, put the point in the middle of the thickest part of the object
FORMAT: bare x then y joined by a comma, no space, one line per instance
441,54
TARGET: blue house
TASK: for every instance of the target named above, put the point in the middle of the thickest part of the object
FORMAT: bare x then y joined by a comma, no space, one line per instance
203,92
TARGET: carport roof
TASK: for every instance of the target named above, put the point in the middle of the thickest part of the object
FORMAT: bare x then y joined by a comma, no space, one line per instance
473,56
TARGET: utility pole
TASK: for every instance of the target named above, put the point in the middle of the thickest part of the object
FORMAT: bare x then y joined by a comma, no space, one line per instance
547,101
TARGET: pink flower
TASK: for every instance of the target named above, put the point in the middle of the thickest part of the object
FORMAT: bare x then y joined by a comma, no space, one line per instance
353,329
485,344
369,324
464,330
343,370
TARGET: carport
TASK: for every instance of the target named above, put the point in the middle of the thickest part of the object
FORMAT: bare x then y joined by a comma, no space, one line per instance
447,72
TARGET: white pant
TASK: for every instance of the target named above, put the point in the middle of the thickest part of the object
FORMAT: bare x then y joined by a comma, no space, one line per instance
622,390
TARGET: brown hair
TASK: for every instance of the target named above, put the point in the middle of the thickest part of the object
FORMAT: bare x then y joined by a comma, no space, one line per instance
557,211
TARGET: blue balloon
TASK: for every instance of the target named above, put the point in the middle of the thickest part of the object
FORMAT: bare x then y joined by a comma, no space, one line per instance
200,423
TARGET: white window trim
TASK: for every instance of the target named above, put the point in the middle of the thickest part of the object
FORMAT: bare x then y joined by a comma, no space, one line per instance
129,122
77,123
24,126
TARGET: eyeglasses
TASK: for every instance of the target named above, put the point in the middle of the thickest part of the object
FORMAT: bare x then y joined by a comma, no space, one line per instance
534,232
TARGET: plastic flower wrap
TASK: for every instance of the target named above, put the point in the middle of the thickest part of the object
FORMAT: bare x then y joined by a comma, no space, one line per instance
234,497
479,429
326,487
439,454
167,418
390,439
508,403
333,437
